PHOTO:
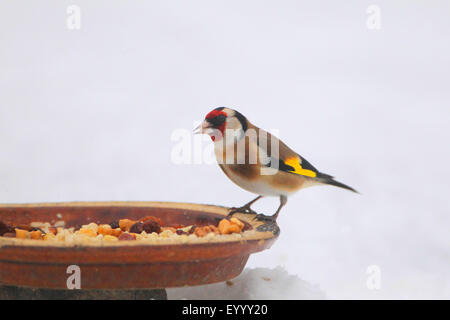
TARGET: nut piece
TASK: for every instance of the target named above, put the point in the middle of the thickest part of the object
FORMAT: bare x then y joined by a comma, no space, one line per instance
151,225
88,232
214,229
148,218
138,227
224,225
91,226
238,222
22,234
228,226
36,235
127,236
110,238
105,229
116,232
126,224
203,231
200,232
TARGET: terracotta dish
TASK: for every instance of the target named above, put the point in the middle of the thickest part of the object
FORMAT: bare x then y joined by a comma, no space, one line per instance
127,264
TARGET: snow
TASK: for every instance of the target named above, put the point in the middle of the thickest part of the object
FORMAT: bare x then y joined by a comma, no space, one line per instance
89,114
253,284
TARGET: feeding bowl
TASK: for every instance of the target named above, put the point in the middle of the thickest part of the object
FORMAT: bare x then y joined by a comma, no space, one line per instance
126,264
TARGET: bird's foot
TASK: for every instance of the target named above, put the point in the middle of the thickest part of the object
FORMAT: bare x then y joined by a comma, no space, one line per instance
263,217
244,210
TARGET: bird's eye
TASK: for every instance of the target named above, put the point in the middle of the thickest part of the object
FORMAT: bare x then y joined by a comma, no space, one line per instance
217,121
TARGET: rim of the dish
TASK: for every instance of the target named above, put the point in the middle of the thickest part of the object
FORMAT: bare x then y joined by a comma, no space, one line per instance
261,231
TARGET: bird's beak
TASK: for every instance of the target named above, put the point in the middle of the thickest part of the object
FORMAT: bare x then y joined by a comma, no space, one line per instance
202,127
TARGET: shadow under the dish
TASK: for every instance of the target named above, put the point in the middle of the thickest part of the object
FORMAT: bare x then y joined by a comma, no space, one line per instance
25,293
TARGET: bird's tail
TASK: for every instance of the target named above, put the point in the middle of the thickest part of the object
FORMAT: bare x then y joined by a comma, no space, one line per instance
327,179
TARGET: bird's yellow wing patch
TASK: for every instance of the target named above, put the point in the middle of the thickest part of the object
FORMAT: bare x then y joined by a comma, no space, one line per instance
298,169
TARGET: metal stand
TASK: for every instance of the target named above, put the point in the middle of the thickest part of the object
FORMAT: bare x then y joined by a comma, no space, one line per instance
26,293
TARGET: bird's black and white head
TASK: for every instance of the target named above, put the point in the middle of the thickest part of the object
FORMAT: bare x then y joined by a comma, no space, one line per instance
222,122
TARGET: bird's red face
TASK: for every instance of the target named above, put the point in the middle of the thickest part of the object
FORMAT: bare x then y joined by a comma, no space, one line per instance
214,123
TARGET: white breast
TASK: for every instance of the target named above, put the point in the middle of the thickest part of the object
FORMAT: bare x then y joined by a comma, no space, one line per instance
255,186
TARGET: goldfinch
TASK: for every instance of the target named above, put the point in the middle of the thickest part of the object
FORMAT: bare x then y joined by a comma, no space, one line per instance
259,162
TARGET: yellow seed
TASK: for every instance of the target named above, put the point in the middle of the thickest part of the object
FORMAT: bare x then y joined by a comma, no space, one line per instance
88,232
21,234
237,222
105,229
110,238
36,235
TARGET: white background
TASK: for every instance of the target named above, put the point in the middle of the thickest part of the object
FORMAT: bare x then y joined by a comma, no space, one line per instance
88,115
